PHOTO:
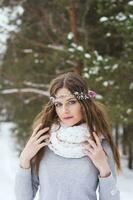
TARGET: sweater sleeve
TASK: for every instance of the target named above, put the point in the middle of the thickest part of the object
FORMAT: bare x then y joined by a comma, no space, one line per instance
26,184
107,185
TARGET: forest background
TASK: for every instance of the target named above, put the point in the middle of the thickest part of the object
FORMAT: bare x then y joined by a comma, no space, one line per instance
93,38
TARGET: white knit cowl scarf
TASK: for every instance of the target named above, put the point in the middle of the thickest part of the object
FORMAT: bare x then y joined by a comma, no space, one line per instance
66,140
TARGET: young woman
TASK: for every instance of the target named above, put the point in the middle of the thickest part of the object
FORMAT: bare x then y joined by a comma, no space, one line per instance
70,153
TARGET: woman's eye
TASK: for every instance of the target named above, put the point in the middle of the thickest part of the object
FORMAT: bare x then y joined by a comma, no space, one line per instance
72,102
57,105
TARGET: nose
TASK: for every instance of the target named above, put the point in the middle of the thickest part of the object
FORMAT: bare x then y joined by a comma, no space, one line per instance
65,109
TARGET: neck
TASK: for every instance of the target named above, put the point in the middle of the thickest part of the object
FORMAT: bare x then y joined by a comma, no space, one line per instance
76,124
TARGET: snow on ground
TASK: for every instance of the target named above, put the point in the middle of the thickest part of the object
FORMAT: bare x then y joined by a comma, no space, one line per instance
125,182
9,162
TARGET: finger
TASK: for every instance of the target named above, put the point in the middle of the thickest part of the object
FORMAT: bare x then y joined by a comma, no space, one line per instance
86,137
44,137
89,148
39,133
43,144
88,153
92,143
36,129
96,138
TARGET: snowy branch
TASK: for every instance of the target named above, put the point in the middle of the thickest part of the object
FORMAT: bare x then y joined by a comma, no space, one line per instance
25,90
40,44
28,83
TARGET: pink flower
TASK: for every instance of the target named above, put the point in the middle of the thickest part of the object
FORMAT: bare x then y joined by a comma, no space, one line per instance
92,93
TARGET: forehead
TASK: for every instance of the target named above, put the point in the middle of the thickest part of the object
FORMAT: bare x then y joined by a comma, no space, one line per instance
63,94
62,91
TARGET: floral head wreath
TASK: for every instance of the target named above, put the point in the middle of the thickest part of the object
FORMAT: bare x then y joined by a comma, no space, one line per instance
82,95
79,95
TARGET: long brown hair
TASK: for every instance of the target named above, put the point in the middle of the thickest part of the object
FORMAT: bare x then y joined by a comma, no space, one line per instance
93,111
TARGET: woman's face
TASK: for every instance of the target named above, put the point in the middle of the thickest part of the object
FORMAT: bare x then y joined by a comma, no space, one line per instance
67,107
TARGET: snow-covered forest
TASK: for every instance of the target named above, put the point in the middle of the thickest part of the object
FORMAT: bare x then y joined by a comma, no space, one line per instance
39,39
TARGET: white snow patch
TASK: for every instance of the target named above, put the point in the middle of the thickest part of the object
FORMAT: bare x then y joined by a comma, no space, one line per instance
70,36
121,17
130,3
103,19
87,55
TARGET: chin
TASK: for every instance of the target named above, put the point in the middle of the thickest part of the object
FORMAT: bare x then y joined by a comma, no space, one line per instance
71,123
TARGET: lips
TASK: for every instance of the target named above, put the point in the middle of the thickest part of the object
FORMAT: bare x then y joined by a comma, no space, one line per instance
68,117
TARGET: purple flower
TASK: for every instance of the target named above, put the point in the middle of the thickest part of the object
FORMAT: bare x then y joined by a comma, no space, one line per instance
92,93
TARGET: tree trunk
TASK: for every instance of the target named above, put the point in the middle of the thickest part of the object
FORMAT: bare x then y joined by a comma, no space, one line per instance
73,19
124,141
130,155
116,134
74,29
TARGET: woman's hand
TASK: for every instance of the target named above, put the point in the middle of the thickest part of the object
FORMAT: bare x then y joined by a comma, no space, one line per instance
96,153
34,144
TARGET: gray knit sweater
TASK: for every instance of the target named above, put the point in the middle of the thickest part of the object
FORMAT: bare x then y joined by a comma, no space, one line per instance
67,179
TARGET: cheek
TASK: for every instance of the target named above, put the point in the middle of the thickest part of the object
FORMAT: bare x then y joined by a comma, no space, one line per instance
58,112
77,110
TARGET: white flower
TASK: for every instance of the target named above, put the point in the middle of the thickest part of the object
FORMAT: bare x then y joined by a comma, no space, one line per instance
87,55
70,36
103,19
80,48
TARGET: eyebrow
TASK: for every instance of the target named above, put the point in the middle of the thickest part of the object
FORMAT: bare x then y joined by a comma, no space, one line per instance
66,100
